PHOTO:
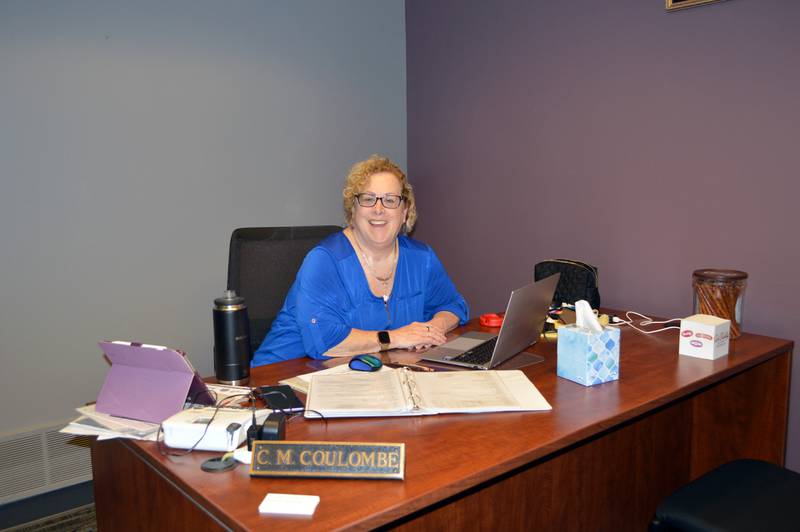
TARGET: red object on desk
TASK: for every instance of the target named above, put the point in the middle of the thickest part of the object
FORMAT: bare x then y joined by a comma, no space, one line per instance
491,320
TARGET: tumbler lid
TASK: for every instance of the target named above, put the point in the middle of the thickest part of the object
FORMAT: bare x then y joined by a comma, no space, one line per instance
229,299
720,275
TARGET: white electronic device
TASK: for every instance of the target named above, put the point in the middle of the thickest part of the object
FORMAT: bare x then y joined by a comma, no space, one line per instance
203,430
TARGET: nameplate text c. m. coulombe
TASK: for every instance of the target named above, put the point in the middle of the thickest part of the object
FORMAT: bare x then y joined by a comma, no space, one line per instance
328,459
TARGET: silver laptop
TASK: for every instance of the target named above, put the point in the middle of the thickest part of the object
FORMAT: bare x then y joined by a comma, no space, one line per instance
525,316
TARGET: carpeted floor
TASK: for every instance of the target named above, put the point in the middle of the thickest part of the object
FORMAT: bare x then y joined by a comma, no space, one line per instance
80,519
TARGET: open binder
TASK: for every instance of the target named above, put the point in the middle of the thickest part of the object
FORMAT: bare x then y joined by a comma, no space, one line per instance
148,382
401,392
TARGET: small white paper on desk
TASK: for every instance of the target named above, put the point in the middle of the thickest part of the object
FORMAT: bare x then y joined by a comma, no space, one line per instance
282,503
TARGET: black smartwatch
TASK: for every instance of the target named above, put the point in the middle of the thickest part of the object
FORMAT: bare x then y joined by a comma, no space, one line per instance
384,340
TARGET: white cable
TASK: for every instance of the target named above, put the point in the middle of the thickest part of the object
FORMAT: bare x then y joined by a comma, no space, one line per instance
645,322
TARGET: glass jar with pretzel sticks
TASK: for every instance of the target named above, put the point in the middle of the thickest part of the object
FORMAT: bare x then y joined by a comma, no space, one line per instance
720,293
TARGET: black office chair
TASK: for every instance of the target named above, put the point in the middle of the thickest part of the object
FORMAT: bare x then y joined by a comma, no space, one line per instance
743,495
262,265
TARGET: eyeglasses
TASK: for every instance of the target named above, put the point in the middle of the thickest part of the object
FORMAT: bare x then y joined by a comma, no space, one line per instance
390,201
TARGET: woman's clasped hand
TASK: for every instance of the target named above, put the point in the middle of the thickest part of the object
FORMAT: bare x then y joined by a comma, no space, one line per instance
418,335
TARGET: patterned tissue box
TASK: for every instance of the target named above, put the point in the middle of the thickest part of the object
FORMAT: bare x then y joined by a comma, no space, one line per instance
588,357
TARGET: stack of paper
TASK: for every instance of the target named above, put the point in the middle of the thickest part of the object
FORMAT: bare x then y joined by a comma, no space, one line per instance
229,395
105,426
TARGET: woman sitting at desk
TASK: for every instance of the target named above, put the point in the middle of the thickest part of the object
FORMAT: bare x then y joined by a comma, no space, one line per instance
367,288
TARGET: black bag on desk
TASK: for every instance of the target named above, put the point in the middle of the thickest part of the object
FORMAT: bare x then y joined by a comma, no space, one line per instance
578,280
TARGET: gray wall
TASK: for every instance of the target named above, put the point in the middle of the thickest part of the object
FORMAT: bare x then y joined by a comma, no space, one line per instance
648,143
135,136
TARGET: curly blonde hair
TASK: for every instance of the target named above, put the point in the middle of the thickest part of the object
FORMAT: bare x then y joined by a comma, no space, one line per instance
357,179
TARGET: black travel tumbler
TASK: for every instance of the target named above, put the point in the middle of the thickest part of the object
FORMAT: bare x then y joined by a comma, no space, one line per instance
231,340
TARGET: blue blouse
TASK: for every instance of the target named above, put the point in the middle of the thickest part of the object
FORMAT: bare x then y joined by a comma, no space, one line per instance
331,296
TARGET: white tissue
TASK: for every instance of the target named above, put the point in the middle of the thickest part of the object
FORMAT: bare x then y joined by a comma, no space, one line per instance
243,454
585,317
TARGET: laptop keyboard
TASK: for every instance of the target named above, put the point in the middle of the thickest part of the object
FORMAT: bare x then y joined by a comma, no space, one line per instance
479,355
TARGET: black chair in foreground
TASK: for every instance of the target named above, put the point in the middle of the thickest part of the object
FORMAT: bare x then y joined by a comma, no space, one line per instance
262,265
743,495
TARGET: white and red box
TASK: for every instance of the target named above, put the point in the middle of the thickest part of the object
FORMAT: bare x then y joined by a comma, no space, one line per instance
704,336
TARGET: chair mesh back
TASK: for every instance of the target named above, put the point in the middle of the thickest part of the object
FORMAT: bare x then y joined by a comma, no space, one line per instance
262,265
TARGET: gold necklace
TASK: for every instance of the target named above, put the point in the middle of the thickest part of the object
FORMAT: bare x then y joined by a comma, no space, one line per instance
371,268
383,280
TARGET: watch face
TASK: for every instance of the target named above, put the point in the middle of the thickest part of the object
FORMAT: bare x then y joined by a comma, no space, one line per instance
383,337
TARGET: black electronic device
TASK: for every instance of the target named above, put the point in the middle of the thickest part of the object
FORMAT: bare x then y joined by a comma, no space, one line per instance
253,432
384,340
280,398
274,427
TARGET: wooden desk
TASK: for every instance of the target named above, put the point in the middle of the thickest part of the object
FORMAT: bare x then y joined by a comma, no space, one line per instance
600,460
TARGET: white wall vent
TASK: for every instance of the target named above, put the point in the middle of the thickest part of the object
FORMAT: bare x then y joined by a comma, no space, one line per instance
43,460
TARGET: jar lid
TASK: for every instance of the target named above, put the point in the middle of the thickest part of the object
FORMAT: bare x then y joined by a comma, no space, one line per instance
720,275
229,299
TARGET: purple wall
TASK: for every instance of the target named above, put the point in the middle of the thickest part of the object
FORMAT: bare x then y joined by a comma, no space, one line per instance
648,143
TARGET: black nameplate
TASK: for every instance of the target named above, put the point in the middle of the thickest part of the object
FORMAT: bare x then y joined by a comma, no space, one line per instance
328,459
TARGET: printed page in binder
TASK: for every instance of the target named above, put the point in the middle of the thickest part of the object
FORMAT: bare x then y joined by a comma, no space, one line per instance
401,392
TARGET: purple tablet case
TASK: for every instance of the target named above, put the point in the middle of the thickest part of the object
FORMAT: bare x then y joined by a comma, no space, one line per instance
148,383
